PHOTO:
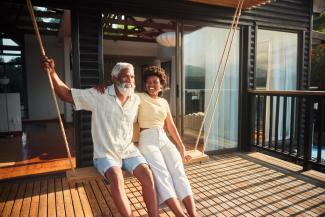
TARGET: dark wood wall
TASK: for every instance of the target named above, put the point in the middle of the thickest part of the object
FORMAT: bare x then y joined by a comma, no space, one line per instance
282,15
87,71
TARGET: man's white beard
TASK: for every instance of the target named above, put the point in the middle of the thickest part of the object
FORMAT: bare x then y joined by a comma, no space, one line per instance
125,89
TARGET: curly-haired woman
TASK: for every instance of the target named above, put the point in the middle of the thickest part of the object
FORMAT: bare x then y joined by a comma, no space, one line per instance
165,161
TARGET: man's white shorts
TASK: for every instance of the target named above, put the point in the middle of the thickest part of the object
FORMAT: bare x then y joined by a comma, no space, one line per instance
166,164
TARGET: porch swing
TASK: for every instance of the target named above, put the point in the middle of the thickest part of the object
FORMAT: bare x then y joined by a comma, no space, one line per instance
86,173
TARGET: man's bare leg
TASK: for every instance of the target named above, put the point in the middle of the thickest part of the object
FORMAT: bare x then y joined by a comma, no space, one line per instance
115,177
145,177
190,206
175,206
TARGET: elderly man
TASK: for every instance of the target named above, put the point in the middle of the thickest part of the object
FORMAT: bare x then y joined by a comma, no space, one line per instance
113,115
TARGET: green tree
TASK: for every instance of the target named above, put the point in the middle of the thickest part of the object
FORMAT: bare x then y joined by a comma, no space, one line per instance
319,23
318,66
318,56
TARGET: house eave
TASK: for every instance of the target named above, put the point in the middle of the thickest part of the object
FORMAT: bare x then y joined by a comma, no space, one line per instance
247,4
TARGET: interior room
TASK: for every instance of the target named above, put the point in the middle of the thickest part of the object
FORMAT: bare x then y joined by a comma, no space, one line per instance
30,137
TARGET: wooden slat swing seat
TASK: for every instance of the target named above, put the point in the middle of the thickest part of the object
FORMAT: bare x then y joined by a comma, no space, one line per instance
86,173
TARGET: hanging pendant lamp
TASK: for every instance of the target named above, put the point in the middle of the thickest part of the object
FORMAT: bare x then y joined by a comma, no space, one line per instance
167,39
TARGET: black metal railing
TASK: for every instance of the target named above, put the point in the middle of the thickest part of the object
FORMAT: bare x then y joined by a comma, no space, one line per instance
290,123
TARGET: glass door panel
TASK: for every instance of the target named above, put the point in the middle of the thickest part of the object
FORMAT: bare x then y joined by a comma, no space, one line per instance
202,51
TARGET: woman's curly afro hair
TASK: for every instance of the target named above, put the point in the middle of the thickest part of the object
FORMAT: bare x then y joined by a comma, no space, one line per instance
155,71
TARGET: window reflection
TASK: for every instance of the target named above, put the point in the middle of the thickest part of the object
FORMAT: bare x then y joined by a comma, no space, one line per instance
202,53
276,60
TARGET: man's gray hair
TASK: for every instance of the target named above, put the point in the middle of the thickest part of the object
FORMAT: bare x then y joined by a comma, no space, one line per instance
121,66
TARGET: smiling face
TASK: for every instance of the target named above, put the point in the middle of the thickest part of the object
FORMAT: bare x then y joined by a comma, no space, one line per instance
125,82
126,77
153,86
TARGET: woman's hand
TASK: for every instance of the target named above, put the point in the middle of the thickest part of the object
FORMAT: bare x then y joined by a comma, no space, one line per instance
186,158
100,88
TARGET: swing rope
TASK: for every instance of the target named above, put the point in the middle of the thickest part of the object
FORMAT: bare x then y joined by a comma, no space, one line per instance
228,45
40,43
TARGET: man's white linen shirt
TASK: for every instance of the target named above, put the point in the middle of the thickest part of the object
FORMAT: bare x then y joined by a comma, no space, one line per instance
111,123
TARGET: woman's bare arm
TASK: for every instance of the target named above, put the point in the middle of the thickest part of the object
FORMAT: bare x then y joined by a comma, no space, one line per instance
172,130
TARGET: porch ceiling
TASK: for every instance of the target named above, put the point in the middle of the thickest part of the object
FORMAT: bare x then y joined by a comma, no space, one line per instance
133,28
233,3
123,27
15,19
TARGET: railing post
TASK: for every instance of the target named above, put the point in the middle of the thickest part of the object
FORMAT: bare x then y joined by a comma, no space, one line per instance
251,121
308,137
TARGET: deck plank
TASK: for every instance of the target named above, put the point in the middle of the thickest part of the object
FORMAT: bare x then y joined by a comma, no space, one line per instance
34,206
74,197
18,201
67,199
10,201
92,199
43,199
106,212
84,200
25,208
60,210
4,195
108,197
138,194
135,205
51,206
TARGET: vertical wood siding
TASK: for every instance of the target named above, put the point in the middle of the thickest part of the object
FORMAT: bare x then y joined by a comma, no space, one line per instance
88,62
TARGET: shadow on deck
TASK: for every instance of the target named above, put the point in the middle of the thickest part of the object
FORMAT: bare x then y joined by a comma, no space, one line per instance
227,185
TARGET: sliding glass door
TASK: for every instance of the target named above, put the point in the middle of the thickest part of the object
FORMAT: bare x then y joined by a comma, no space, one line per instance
202,51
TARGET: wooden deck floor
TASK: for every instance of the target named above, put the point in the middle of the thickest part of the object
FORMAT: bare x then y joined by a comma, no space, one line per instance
227,185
